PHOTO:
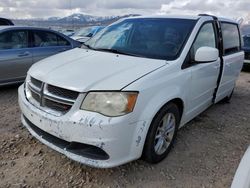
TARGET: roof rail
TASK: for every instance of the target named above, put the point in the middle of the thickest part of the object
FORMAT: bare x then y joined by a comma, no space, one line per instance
214,17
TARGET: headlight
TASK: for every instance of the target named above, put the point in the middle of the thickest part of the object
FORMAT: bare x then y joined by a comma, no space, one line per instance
110,103
26,87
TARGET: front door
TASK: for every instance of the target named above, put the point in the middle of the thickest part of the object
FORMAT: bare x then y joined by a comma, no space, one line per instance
204,75
15,55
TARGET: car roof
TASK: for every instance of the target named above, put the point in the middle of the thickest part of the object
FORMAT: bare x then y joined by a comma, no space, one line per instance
11,28
24,27
190,17
227,20
166,16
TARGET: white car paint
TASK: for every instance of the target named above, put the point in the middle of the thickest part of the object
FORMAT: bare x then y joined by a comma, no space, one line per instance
80,39
157,81
231,70
84,65
206,54
242,176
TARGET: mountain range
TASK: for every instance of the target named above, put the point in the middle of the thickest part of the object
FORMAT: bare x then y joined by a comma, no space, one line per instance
74,19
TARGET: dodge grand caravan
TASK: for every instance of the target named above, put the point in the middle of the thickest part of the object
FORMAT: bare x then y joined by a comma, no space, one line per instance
125,94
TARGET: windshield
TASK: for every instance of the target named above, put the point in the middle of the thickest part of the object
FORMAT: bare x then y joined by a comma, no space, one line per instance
159,38
84,32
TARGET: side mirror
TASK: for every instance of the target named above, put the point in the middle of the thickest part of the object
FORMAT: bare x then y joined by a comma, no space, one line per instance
90,35
206,54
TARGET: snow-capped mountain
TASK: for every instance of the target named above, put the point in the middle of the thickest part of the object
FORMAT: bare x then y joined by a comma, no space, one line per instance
72,21
85,18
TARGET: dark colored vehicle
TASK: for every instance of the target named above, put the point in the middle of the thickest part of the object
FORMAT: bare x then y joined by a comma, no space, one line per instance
4,21
245,30
246,48
20,47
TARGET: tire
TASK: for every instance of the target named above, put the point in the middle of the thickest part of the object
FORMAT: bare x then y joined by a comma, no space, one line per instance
228,98
161,134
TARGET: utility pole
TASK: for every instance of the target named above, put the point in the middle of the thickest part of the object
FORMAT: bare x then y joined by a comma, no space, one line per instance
72,21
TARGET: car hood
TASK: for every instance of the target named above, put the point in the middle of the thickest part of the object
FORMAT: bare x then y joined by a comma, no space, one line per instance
79,38
83,70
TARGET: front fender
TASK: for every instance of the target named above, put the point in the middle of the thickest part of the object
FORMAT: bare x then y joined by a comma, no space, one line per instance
156,90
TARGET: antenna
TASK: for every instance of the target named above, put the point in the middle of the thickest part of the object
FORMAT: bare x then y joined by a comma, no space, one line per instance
71,12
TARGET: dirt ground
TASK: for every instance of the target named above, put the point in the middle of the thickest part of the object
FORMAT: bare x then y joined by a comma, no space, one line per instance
206,153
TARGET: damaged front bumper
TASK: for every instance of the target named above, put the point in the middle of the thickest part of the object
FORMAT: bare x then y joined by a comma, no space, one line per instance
87,137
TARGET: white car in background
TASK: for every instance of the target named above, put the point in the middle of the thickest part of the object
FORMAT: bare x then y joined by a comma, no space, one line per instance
127,92
86,33
242,176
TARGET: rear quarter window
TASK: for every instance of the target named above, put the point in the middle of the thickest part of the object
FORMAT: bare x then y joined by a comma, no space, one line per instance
48,39
231,38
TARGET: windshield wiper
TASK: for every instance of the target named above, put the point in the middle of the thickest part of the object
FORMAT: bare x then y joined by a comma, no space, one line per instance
88,46
117,52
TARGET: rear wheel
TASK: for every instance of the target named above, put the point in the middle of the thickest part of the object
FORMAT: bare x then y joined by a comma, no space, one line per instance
161,134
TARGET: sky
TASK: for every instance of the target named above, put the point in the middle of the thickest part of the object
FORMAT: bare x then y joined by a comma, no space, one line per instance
22,9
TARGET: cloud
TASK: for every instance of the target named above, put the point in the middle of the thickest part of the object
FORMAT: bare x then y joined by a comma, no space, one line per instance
43,9
228,8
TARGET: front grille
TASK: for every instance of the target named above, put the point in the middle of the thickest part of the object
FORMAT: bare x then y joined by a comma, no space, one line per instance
57,106
247,55
35,96
36,82
50,98
62,92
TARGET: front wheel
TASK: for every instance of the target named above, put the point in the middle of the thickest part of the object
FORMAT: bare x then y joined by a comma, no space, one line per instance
161,134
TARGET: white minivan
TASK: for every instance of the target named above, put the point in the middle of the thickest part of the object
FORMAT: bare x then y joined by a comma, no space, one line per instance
125,94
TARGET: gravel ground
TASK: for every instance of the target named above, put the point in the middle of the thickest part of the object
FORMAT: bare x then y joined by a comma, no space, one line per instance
206,153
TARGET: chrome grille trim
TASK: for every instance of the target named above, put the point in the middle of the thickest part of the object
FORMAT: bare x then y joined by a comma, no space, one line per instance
35,82
61,92
57,98
35,90
47,100
34,87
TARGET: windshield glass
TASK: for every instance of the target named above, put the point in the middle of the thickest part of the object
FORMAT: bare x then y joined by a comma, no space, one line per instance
159,38
84,32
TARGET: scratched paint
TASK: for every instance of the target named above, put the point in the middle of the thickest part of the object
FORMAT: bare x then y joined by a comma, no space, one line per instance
138,140
98,130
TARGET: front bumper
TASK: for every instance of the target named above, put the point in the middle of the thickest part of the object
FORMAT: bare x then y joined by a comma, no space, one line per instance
119,138
246,61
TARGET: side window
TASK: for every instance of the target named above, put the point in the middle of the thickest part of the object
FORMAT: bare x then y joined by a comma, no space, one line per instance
13,40
205,37
62,42
231,38
48,39
3,22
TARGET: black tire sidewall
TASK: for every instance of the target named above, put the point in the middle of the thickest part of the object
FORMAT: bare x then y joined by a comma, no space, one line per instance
149,153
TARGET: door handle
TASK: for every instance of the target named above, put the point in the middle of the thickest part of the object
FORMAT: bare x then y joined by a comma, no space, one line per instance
24,54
